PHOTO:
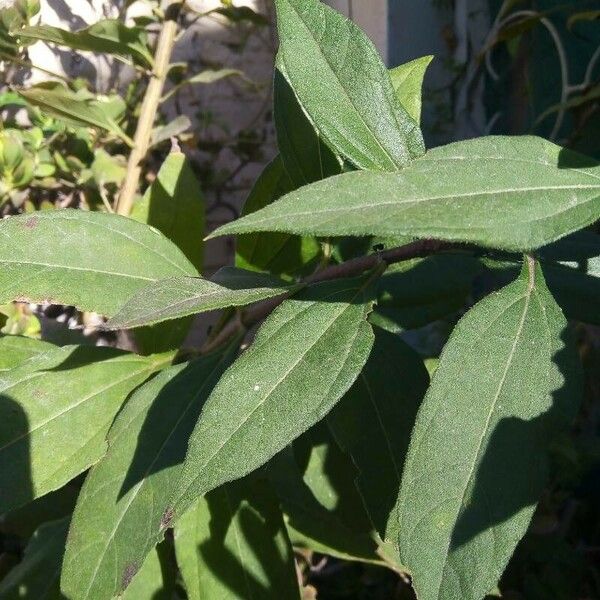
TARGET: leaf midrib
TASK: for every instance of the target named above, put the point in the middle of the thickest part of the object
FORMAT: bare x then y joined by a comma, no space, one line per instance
52,221
529,292
236,296
344,308
345,93
137,488
67,267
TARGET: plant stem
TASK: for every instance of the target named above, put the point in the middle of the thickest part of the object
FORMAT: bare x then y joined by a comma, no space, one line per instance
350,268
149,108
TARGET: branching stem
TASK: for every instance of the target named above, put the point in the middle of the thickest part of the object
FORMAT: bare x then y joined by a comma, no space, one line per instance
350,268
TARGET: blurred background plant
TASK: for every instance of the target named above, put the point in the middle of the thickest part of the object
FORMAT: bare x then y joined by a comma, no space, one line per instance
69,136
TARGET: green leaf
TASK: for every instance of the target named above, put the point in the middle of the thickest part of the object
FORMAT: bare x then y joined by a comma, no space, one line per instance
577,293
105,37
505,387
172,129
59,102
93,261
205,77
108,169
278,253
232,544
182,296
37,576
49,398
416,292
174,205
321,486
500,192
373,424
156,579
15,350
343,85
305,156
407,80
305,357
123,506
310,524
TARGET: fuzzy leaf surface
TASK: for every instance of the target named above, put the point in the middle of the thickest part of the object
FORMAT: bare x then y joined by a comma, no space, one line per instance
278,253
343,85
182,296
305,357
507,383
15,349
305,156
57,409
123,506
510,193
94,261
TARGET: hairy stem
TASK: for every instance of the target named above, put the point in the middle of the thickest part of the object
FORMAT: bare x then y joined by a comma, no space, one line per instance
351,268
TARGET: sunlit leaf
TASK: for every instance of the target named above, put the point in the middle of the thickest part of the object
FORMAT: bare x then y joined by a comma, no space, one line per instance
57,408
94,261
500,192
507,384
123,507
305,357
343,85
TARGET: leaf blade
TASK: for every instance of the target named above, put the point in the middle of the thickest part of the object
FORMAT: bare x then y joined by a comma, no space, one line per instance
43,259
38,574
305,156
15,350
173,298
233,544
174,204
280,254
61,103
107,36
329,316
357,114
123,506
407,80
373,423
447,195
77,388
497,368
